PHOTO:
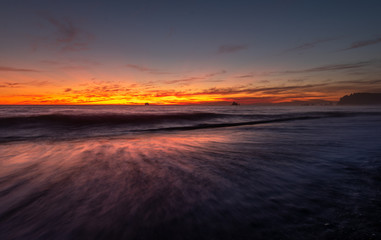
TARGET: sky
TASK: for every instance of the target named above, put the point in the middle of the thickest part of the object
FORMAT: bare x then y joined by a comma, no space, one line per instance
187,52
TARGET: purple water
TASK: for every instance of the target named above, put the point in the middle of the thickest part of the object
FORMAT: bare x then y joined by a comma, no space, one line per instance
186,172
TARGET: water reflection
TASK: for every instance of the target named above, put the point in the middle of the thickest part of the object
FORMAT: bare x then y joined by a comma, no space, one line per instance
115,186
222,184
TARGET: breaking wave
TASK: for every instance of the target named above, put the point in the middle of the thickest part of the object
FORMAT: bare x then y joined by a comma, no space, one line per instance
84,125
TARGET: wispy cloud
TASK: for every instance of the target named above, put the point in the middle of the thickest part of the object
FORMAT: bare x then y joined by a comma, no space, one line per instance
50,62
23,84
348,86
267,90
38,83
238,90
9,85
309,45
13,69
245,76
264,81
182,80
74,67
331,67
205,77
77,64
325,68
363,43
141,68
287,99
296,80
362,82
215,73
230,48
109,91
68,36
102,90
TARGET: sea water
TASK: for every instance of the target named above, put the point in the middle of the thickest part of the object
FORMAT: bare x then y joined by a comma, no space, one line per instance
190,172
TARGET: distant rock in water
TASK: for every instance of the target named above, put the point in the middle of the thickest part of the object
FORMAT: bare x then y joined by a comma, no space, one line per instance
146,104
235,104
361,99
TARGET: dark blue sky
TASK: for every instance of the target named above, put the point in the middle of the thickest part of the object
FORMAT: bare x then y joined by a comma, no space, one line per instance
184,50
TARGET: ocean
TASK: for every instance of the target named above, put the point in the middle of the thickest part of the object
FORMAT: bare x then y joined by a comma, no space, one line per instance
190,172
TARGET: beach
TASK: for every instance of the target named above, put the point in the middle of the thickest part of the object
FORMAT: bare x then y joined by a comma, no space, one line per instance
190,172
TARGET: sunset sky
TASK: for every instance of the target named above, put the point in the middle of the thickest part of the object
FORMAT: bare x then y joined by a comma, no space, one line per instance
187,52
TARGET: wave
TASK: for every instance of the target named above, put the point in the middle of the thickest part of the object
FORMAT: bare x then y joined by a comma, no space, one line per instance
200,185
234,124
65,126
276,120
140,119
106,119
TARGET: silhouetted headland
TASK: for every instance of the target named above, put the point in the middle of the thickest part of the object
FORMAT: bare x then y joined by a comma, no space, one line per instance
361,99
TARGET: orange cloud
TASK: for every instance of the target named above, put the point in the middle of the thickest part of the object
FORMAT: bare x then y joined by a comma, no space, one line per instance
118,92
13,69
146,69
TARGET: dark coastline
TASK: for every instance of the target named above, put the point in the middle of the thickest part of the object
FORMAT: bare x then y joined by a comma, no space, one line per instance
361,99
